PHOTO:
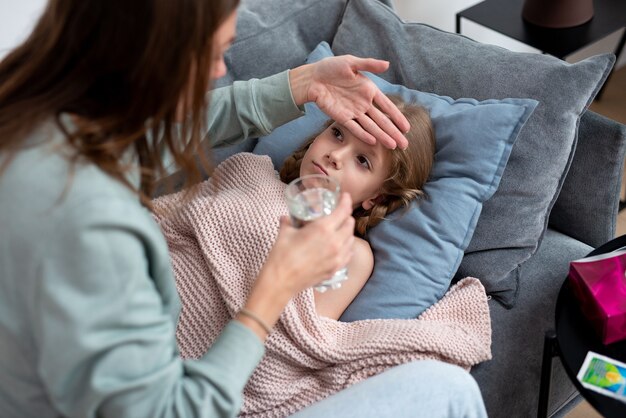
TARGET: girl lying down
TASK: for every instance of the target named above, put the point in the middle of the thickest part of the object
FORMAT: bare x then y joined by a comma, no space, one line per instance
379,181
219,240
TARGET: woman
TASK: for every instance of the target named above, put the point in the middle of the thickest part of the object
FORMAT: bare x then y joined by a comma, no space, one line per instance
88,105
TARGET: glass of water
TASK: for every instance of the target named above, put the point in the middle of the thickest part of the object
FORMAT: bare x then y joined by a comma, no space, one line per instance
310,197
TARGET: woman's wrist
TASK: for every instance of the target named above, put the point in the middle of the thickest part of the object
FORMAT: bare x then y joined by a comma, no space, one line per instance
254,323
299,82
265,303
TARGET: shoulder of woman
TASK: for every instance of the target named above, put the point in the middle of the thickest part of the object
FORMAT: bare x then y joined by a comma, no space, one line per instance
42,196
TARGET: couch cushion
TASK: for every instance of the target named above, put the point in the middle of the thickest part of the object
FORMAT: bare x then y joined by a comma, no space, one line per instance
278,35
417,251
513,221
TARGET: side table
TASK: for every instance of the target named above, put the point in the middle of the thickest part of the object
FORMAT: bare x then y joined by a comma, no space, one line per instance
572,338
505,17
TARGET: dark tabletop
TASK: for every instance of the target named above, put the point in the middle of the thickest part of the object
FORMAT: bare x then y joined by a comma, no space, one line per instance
505,16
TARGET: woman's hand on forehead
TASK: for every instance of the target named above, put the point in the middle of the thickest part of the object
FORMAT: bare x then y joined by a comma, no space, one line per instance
339,89
378,124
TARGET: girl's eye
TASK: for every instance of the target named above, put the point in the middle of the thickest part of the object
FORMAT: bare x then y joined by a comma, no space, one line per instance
337,134
364,162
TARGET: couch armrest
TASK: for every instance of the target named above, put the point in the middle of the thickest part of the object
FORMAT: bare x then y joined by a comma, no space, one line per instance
587,206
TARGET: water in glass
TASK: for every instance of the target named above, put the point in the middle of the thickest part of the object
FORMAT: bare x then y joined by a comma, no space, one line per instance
309,198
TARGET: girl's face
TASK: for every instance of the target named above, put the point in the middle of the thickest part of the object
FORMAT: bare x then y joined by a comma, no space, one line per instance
360,169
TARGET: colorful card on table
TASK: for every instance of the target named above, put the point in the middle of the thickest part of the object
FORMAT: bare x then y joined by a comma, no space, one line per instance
604,375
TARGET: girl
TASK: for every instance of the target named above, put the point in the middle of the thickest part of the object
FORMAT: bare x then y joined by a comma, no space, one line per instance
378,179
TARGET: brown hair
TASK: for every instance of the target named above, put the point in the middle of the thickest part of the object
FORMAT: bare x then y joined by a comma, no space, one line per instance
409,169
122,67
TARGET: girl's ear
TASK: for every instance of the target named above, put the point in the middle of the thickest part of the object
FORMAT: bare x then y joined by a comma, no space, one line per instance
369,203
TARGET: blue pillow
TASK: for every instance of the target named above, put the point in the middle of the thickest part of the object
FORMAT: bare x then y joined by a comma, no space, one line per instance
286,139
417,251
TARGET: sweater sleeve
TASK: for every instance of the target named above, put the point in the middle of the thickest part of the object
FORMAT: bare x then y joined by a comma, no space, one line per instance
248,109
245,109
104,328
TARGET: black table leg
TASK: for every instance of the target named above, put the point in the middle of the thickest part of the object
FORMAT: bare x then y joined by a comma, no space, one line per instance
549,351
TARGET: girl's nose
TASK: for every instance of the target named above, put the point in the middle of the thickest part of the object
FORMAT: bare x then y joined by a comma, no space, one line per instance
341,153
335,158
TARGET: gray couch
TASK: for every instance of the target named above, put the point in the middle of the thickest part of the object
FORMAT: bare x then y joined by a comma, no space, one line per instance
582,217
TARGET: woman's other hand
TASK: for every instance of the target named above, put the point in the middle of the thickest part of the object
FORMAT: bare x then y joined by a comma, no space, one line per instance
299,259
302,258
338,88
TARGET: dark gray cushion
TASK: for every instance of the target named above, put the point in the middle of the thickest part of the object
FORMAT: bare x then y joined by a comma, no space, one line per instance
513,221
276,35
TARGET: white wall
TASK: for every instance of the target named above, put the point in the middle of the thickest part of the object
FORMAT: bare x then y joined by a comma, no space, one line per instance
17,18
442,14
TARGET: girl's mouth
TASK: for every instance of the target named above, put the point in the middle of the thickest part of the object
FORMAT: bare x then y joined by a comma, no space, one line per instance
320,168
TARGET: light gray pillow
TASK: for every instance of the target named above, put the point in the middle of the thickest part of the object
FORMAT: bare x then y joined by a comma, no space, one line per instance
513,221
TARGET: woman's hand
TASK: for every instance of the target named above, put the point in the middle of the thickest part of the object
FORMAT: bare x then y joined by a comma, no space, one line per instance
338,88
302,258
299,259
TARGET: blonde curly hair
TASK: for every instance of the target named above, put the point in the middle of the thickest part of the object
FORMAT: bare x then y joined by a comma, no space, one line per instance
409,169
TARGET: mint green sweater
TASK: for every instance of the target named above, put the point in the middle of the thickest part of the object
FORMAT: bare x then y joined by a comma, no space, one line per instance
88,304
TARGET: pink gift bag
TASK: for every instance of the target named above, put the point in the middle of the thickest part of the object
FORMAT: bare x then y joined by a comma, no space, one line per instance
599,283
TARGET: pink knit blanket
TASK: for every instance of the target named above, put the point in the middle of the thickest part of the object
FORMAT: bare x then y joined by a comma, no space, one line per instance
218,242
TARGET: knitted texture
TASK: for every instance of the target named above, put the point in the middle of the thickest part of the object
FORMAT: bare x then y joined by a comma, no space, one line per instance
218,241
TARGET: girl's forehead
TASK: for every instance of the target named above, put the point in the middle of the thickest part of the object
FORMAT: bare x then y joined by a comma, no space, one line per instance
377,151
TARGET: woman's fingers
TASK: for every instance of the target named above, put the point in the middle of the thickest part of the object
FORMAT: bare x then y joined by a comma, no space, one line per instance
341,225
345,253
393,123
375,126
392,111
382,120
303,257
357,130
377,131
340,215
372,65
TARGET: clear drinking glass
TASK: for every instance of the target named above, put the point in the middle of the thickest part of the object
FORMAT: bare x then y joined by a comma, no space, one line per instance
310,197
